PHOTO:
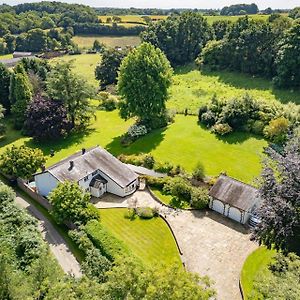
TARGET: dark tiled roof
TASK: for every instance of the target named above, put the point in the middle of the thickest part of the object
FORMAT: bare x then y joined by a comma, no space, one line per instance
93,159
235,193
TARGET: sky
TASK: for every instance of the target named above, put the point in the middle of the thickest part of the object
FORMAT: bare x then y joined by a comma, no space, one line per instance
173,3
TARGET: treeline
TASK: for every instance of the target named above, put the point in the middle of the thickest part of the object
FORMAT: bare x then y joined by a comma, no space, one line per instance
239,9
111,11
99,29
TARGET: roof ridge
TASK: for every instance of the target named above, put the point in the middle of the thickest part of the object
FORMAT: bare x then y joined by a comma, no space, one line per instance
237,180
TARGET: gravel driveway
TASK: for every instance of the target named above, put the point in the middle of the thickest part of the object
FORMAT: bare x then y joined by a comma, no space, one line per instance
211,244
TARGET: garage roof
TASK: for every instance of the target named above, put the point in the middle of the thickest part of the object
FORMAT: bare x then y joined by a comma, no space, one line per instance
235,193
83,163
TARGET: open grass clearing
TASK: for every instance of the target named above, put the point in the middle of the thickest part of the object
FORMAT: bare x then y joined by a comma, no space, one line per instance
87,41
150,240
255,265
84,65
6,56
184,142
192,88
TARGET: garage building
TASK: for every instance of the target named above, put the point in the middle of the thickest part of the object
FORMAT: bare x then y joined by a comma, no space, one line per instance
233,199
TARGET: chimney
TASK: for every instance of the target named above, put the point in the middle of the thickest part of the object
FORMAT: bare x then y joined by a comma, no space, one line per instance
71,165
43,168
83,151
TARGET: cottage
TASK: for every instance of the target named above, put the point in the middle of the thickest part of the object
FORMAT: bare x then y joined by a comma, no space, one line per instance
233,199
95,170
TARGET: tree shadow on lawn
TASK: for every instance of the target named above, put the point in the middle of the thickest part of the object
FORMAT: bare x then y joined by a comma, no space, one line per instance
63,143
182,70
143,145
248,82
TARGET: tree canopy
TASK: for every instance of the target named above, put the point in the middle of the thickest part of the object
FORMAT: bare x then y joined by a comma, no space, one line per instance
144,78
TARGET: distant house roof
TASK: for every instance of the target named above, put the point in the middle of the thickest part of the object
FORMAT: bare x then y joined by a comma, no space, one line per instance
19,54
235,193
13,61
79,165
97,181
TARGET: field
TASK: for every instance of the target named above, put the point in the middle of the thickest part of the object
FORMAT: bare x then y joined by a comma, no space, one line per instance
6,56
184,142
255,265
86,41
150,240
84,65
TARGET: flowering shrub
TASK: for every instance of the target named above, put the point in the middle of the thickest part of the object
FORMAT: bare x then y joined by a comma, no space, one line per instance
221,129
136,131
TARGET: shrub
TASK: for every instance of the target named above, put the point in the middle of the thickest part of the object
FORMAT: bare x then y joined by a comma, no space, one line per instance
7,195
110,104
178,187
277,130
208,118
199,198
165,167
155,182
257,127
198,172
176,170
108,244
135,131
145,212
130,214
221,129
148,161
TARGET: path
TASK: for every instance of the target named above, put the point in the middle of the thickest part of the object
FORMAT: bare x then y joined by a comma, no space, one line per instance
58,245
211,244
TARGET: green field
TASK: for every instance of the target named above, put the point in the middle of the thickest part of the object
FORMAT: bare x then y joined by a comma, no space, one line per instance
86,41
84,65
183,142
6,56
149,240
256,265
192,88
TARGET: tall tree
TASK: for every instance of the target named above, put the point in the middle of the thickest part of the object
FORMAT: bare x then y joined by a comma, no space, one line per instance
144,78
65,86
280,211
288,59
4,83
22,95
107,70
46,119
181,37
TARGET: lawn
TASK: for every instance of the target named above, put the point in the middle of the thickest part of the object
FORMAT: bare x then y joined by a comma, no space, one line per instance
84,65
86,41
256,264
6,56
192,88
168,199
183,142
150,240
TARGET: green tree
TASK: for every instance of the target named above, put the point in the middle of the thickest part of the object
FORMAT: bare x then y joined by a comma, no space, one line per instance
65,86
277,130
4,83
97,46
107,70
36,40
2,126
71,203
144,78
128,279
21,93
288,59
21,161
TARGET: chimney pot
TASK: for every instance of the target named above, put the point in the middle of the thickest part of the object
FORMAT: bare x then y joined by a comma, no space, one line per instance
71,164
83,151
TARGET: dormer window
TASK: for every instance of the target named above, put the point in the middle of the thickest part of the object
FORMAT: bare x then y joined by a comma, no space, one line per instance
86,178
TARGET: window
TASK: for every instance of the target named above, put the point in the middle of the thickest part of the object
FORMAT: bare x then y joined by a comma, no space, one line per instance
86,178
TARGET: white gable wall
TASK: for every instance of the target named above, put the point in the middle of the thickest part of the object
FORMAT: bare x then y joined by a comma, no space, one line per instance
45,183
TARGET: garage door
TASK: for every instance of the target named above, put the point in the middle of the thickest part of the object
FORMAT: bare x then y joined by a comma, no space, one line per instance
218,206
235,214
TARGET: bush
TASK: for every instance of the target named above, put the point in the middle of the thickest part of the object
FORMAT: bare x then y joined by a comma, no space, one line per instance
145,212
198,172
221,129
277,130
110,104
7,195
199,198
165,167
208,118
135,131
155,182
257,127
130,214
178,187
148,161
109,245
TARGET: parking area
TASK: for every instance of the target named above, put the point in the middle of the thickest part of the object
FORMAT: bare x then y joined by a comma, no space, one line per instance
211,244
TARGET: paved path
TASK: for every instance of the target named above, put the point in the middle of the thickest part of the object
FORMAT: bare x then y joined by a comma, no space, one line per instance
211,244
56,242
